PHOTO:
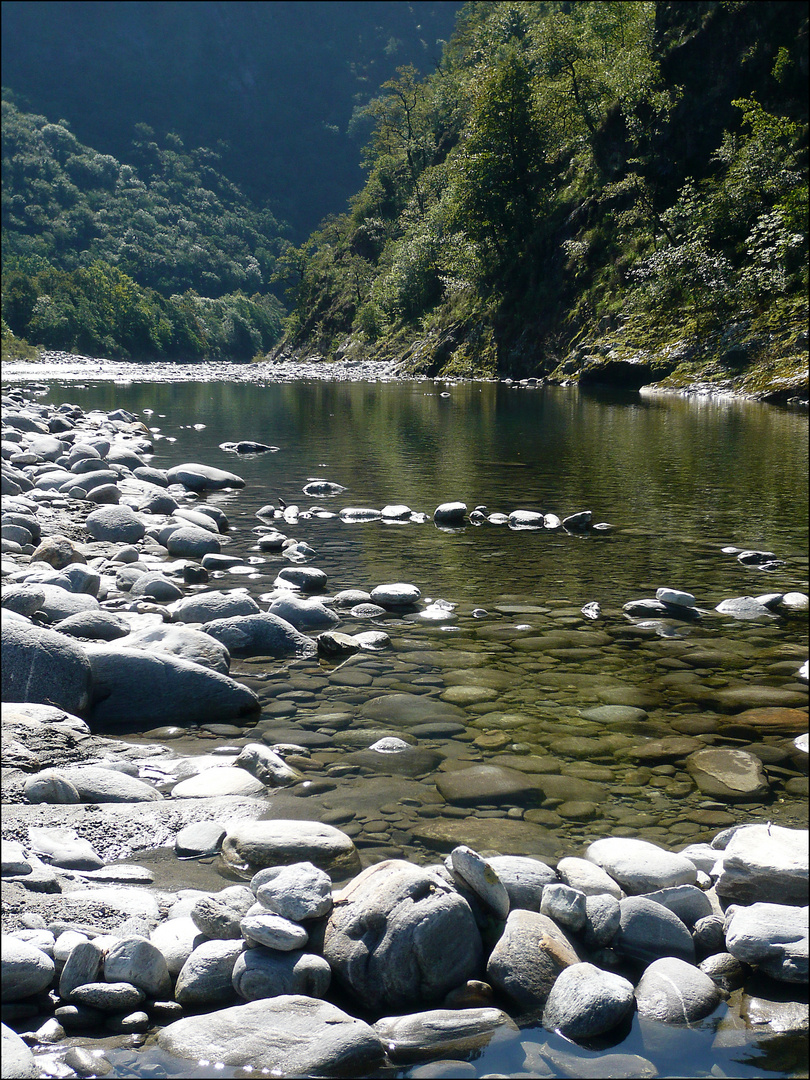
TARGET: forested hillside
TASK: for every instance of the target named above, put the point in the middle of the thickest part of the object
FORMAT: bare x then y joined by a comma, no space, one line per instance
270,86
163,259
609,191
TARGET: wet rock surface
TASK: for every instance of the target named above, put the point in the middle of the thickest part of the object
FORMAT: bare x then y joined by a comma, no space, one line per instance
350,758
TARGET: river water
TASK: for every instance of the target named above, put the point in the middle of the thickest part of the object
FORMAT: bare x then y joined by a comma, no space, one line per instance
509,651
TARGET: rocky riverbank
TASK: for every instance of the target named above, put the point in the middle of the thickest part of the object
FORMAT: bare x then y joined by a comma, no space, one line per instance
308,956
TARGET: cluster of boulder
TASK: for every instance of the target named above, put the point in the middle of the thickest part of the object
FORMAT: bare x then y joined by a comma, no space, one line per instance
446,960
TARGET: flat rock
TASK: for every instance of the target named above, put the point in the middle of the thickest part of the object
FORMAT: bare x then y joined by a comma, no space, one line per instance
729,774
196,477
485,784
409,709
119,524
219,781
506,835
292,1034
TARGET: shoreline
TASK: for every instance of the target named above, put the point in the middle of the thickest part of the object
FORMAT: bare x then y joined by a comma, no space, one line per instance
74,367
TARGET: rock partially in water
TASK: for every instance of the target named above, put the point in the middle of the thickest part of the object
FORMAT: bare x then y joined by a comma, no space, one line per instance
528,957
585,1002
254,845
196,477
674,991
133,686
264,634
293,1034
771,937
438,1033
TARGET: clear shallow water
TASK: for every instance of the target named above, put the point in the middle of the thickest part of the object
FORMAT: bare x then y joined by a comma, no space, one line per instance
677,479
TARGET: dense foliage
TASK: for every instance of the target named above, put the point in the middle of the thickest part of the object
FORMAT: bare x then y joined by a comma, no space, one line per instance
271,86
164,260
573,170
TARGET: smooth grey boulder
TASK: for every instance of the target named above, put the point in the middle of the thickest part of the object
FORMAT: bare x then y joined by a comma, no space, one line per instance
305,615
297,892
725,970
675,992
177,938
45,667
96,784
523,878
219,781
49,786
528,957
118,524
134,686
206,977
566,906
17,1061
24,599
400,935
765,863
585,875
266,765
688,902
262,973
602,920
639,866
200,838
443,1033
278,842
291,1034
192,542
181,640
395,595
94,625
82,966
112,997
264,634
136,960
156,586
273,931
771,937
196,477
648,931
59,602
305,578
585,1002
25,969
213,604
450,513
